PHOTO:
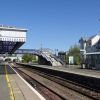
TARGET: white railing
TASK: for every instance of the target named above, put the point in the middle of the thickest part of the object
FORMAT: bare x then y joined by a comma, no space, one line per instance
48,54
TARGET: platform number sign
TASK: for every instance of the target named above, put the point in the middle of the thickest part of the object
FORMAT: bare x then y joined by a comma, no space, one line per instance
71,60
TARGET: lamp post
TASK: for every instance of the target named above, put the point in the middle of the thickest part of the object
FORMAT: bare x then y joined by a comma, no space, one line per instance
56,52
41,46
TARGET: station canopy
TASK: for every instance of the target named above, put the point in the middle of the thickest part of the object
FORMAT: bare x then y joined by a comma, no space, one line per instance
11,38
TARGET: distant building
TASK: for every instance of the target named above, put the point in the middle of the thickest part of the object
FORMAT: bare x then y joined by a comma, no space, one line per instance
90,44
62,55
90,52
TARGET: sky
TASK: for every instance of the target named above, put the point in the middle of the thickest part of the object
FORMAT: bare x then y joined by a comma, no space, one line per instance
54,24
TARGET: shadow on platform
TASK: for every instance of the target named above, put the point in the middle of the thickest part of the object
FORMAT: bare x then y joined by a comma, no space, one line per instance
8,68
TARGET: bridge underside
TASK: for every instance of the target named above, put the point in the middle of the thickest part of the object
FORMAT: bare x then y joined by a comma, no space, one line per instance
9,46
43,61
11,38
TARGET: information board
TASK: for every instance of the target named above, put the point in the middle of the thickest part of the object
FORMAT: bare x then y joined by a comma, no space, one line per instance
71,60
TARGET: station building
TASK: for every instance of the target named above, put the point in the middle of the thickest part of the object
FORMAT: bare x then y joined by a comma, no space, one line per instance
90,52
62,55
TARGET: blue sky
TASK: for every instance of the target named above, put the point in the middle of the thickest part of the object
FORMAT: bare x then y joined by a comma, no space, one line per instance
57,24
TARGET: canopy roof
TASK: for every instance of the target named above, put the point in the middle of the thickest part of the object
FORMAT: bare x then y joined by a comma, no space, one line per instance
11,39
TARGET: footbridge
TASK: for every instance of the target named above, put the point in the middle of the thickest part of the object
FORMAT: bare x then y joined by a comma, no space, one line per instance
45,56
12,38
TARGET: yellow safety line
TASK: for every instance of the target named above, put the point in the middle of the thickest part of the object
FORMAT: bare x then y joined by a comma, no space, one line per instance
9,84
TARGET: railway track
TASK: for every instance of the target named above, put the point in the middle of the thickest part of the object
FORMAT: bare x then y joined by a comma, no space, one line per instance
92,93
46,92
61,88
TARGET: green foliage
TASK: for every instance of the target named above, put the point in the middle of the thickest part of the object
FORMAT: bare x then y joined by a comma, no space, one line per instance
28,58
75,52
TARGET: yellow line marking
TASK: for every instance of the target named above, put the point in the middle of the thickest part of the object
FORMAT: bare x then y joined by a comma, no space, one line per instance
9,84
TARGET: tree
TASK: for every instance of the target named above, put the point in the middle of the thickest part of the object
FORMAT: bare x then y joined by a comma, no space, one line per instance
75,52
27,58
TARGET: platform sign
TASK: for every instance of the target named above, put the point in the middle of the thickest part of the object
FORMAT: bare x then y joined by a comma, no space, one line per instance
71,60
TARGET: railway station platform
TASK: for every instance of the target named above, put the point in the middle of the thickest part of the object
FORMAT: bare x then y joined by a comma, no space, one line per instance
71,69
14,87
74,70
